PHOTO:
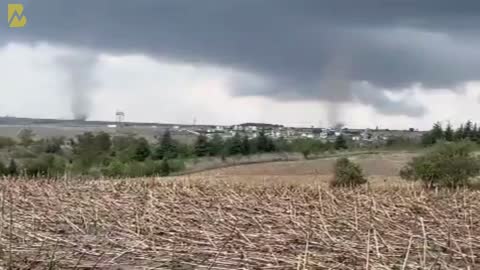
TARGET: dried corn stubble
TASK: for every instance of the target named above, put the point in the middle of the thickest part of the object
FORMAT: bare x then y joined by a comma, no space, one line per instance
206,224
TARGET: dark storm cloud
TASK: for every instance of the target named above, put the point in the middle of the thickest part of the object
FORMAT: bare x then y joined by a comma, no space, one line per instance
299,49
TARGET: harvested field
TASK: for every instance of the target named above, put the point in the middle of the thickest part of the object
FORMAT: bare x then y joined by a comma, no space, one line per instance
386,164
381,170
214,224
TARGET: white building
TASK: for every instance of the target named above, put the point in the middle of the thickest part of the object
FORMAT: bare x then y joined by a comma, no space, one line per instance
251,128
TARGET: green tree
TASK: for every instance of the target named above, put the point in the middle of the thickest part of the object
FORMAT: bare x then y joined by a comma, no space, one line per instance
151,167
164,168
216,145
340,143
3,169
114,169
85,144
467,130
448,165
51,145
282,145
135,169
245,145
459,133
103,142
122,143
304,146
270,145
262,142
26,136
434,135
437,131
128,148
12,168
184,150
449,133
91,149
428,139
167,147
474,135
202,147
176,165
235,145
45,165
6,142
142,150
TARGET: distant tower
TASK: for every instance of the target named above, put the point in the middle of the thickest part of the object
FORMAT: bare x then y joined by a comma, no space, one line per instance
120,117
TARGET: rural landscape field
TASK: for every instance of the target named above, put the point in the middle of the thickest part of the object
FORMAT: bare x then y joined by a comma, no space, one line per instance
262,216
240,135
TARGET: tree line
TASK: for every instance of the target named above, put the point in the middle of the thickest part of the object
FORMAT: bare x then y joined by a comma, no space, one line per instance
100,154
467,131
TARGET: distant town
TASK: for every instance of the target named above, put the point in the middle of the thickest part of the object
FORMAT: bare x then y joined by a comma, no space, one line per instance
10,126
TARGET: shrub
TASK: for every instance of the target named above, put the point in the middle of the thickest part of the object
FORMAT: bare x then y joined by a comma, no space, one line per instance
151,167
3,169
21,152
12,168
447,165
176,165
340,143
348,174
202,147
167,148
54,145
45,165
142,150
401,143
51,145
26,136
115,168
135,169
164,168
6,142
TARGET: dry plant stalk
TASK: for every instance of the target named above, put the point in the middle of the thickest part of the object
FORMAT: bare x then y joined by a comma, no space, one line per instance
212,224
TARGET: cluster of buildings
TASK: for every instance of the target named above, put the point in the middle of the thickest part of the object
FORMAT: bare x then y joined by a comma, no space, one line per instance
251,130
188,133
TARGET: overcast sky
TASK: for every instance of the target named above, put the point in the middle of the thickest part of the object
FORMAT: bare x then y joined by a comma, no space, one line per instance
386,63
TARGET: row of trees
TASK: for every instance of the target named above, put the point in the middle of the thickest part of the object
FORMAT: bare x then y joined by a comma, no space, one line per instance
238,145
102,154
467,131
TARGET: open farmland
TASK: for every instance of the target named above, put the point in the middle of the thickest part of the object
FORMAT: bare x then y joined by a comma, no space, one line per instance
381,169
228,219
48,131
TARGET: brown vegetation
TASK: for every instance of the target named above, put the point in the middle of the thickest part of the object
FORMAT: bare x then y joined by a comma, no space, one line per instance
386,164
206,224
